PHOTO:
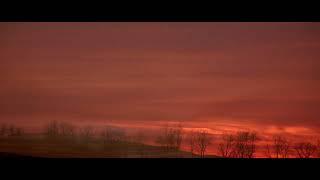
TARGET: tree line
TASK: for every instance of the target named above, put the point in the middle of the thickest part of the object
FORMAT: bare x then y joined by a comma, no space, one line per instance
10,130
63,130
242,144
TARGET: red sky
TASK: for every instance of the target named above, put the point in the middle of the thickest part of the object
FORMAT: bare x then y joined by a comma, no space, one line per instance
220,76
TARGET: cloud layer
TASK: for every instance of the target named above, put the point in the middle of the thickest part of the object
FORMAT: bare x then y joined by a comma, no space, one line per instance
264,73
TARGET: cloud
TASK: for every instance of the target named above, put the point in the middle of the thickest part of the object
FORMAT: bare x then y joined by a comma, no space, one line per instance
260,72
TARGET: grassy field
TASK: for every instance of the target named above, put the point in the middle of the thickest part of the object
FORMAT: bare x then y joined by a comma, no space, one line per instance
37,146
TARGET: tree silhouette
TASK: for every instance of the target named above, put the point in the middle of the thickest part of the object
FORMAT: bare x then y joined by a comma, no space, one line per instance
191,140
245,145
56,130
279,149
10,130
86,134
202,141
226,147
67,130
318,148
305,149
171,138
52,129
3,130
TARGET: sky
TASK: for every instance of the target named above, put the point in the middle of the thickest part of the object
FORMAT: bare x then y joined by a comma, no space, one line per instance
219,76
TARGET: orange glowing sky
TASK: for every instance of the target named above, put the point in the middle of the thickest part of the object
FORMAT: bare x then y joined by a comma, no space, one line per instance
220,76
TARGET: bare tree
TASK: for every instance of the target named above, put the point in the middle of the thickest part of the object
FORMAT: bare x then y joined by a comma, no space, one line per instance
171,138
52,129
245,145
191,140
226,147
318,148
168,138
279,149
67,130
105,135
177,131
10,130
305,149
202,141
87,133
3,130
60,130
19,131
268,151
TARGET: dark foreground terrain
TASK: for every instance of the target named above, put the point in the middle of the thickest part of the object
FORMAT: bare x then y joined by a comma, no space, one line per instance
5,155
35,146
